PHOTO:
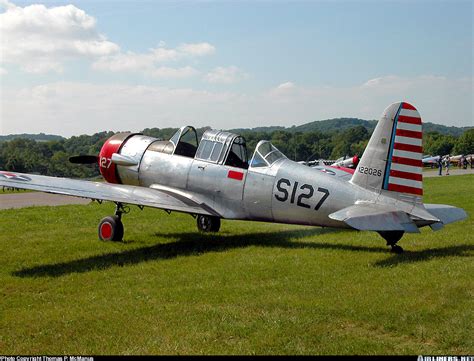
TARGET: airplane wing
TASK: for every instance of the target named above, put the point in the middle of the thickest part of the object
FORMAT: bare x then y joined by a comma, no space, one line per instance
168,199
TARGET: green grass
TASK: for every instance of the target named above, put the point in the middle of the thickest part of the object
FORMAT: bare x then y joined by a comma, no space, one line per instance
7,190
255,288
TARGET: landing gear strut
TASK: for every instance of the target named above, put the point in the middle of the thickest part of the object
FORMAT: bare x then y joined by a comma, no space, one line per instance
392,237
208,223
111,227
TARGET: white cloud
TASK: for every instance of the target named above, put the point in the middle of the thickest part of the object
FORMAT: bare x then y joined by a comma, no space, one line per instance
197,49
73,108
124,62
177,73
76,108
225,75
286,88
439,99
3,71
149,63
41,39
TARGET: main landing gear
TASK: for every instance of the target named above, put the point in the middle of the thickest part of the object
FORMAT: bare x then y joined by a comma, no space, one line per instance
111,227
392,237
208,223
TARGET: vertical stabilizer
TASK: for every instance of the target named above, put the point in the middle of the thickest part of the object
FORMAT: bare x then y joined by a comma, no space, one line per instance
392,161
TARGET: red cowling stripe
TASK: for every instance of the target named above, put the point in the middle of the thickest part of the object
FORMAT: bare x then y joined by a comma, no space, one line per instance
409,133
408,106
407,161
407,119
408,147
405,189
406,175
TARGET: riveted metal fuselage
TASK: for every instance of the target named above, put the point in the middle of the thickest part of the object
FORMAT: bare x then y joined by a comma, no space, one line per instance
277,191
286,192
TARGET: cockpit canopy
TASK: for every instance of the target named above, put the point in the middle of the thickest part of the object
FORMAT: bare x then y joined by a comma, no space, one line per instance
223,147
265,155
184,142
218,147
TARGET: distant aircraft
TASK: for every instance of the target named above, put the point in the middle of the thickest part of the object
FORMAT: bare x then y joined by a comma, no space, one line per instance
213,179
431,160
347,162
458,158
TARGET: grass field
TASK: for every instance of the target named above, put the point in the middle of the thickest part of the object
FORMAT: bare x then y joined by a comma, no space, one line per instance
255,288
6,190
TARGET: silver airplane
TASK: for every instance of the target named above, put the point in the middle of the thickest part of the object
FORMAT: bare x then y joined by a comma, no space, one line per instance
214,179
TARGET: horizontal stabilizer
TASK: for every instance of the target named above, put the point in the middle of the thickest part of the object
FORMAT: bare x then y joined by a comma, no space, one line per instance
372,217
446,214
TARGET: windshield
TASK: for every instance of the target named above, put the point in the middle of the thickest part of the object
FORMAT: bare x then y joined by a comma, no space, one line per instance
265,154
185,142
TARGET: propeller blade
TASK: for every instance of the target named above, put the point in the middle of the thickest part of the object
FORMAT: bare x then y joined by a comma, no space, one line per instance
84,159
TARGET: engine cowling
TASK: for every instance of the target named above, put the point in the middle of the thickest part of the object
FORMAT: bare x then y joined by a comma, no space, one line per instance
120,147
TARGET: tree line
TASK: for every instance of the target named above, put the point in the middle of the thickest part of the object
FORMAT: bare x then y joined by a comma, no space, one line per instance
52,157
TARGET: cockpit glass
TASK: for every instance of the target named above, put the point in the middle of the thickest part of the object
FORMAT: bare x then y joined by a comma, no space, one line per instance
216,152
272,157
265,148
258,161
205,149
185,140
175,137
189,136
266,154
237,156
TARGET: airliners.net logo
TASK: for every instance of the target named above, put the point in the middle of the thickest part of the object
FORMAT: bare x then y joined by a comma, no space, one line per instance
445,358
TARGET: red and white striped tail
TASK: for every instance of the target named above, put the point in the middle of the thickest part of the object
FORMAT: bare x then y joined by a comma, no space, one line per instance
392,159
403,172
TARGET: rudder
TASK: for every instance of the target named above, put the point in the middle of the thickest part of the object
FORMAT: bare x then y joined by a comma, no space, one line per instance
392,161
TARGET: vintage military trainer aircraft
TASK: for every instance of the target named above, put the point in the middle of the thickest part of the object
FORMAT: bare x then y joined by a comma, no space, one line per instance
214,179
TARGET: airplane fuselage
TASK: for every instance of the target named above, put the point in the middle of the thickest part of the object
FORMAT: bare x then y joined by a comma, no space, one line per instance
285,192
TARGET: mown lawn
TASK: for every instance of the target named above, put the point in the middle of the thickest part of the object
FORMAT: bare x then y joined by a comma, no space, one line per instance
255,288
7,190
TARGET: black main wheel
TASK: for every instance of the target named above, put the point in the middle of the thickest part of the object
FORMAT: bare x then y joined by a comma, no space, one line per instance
208,223
111,229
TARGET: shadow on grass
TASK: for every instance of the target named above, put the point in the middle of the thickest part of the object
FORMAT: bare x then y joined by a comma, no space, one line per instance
189,244
193,244
425,255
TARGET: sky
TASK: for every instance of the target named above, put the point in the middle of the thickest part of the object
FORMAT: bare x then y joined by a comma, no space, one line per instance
79,67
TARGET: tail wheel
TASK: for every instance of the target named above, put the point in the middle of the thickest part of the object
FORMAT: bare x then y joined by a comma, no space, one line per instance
111,229
392,237
397,249
208,223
